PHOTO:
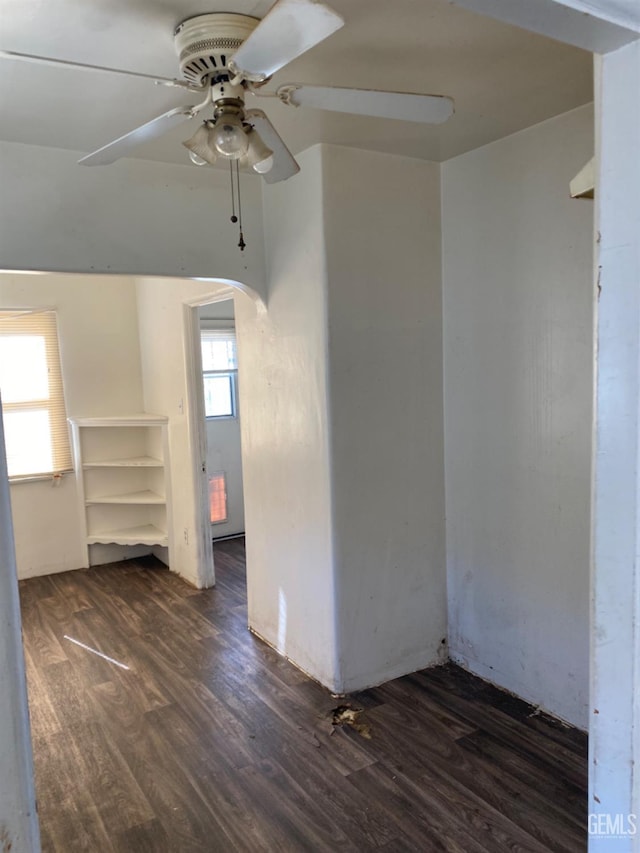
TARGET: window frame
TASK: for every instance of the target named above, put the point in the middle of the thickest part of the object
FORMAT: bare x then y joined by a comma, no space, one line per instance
232,374
228,329
55,404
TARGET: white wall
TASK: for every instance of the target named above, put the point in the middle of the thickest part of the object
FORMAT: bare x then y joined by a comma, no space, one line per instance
382,227
518,346
134,217
98,333
285,431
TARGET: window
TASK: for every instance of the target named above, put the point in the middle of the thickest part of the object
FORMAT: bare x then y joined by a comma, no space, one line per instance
220,372
218,498
34,416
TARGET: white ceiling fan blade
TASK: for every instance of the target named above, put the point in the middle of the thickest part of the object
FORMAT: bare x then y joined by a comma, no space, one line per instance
64,63
284,164
289,29
112,151
429,109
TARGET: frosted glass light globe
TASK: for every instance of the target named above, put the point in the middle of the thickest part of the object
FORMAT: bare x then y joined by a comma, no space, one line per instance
264,166
229,137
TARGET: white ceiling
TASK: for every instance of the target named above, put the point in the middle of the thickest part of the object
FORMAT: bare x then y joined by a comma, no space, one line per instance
502,79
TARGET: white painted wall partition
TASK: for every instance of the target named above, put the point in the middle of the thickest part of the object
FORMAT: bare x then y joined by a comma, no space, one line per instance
615,648
134,217
285,432
18,817
341,388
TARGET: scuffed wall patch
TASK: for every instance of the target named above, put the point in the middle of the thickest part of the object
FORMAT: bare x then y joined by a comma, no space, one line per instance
6,843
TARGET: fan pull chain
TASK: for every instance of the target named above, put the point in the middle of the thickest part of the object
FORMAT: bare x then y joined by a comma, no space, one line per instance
235,188
241,243
234,218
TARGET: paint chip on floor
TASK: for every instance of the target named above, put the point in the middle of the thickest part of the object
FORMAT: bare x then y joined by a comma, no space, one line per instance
345,715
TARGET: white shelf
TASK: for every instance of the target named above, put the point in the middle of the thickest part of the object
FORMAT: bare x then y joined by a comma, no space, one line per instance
145,534
142,498
583,185
132,462
123,481
142,419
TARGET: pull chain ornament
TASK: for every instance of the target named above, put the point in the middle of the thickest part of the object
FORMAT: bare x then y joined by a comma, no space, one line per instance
234,218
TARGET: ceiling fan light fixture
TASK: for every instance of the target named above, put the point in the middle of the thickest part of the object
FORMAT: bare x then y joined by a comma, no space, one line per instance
264,166
201,149
229,137
259,155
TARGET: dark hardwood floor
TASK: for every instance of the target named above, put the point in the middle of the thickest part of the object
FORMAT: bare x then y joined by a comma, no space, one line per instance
211,742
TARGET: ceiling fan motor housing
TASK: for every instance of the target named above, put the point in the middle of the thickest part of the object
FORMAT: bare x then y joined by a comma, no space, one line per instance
205,43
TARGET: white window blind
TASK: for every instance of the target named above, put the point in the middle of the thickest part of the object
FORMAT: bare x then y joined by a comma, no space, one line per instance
34,415
219,349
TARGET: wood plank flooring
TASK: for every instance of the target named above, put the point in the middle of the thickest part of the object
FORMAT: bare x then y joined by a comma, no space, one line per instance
209,741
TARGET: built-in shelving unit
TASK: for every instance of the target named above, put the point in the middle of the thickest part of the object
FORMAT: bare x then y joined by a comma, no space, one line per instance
122,474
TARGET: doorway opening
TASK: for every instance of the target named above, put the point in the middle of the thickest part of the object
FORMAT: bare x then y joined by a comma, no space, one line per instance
220,388
215,418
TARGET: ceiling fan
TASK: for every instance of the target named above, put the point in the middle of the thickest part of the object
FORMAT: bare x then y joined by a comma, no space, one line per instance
225,56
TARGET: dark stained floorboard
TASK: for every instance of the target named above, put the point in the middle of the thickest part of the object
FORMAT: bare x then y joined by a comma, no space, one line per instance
210,741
